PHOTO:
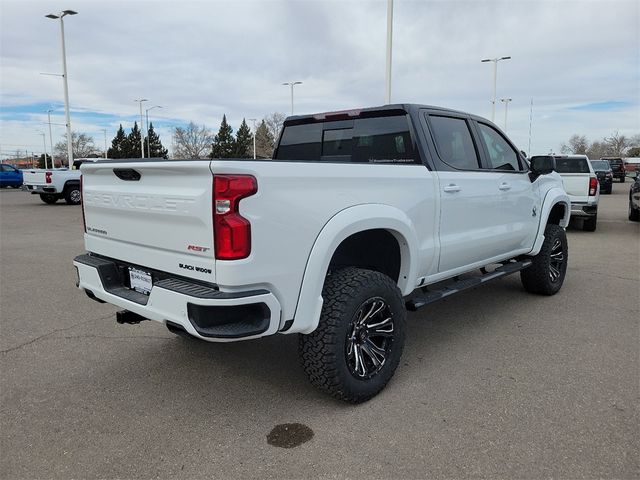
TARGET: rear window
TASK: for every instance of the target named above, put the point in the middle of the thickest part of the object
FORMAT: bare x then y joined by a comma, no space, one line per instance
600,165
572,165
362,140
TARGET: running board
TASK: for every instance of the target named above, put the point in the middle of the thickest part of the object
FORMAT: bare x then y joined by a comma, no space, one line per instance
457,286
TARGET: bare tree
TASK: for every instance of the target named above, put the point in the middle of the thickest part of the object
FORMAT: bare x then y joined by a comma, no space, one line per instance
82,146
578,145
597,150
617,145
192,141
274,124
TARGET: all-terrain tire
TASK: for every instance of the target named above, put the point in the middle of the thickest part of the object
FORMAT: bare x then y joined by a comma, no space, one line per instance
73,195
546,274
49,198
590,224
329,354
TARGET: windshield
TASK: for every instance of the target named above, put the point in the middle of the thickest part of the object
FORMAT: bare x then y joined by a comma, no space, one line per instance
600,165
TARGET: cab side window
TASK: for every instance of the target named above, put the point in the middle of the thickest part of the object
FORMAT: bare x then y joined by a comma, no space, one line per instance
501,155
454,142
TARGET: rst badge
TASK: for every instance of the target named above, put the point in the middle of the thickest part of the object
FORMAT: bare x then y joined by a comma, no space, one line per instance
197,248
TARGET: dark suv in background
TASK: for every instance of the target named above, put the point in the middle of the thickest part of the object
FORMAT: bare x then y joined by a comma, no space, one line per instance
604,174
617,167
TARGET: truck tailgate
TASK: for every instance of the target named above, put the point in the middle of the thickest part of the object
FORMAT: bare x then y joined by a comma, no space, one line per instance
34,177
155,214
576,184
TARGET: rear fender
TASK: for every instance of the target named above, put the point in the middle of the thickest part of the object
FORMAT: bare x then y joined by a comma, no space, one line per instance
341,226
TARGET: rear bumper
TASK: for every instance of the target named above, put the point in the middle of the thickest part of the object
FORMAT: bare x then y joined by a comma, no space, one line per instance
199,309
583,209
40,189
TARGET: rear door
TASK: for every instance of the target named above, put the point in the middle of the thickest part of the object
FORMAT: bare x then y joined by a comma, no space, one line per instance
469,217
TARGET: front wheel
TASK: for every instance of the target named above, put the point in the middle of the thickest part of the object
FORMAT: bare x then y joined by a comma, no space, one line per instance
48,198
357,345
546,274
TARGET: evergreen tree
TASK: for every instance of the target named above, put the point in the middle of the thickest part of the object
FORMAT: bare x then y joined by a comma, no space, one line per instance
118,145
244,142
223,143
132,144
264,141
41,161
153,146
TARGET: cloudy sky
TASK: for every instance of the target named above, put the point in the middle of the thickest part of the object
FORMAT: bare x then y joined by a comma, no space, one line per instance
579,61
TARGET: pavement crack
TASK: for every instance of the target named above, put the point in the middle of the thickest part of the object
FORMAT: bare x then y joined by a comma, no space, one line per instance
53,332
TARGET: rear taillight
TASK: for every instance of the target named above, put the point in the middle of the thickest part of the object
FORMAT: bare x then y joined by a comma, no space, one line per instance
232,232
47,177
593,186
84,222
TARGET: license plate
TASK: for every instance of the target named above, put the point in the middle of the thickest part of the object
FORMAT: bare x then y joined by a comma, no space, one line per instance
140,281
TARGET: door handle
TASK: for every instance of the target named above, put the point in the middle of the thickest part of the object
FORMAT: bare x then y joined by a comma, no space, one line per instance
504,187
452,187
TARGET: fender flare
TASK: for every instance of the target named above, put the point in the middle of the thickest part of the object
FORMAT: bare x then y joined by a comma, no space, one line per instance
341,226
71,183
551,199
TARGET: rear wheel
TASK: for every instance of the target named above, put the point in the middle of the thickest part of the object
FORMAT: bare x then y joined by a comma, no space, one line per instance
622,179
357,346
48,198
590,224
546,274
72,195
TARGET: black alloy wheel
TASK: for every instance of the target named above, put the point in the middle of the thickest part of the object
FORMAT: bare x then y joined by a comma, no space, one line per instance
546,274
369,338
556,260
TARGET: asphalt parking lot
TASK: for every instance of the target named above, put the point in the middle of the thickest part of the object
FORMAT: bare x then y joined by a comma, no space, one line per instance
494,382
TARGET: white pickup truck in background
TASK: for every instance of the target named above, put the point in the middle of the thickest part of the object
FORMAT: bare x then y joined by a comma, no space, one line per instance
359,216
581,183
57,183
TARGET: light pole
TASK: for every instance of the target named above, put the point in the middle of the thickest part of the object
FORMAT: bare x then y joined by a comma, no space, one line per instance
254,136
291,84
506,109
141,125
44,145
61,16
104,130
50,139
147,115
495,82
387,97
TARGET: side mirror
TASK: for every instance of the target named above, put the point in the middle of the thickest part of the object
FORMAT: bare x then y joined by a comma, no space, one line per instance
542,164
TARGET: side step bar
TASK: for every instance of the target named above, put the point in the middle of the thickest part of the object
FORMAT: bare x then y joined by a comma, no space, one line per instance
457,286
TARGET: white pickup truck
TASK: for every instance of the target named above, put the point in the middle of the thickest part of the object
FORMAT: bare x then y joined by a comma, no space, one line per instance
57,183
581,184
359,216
